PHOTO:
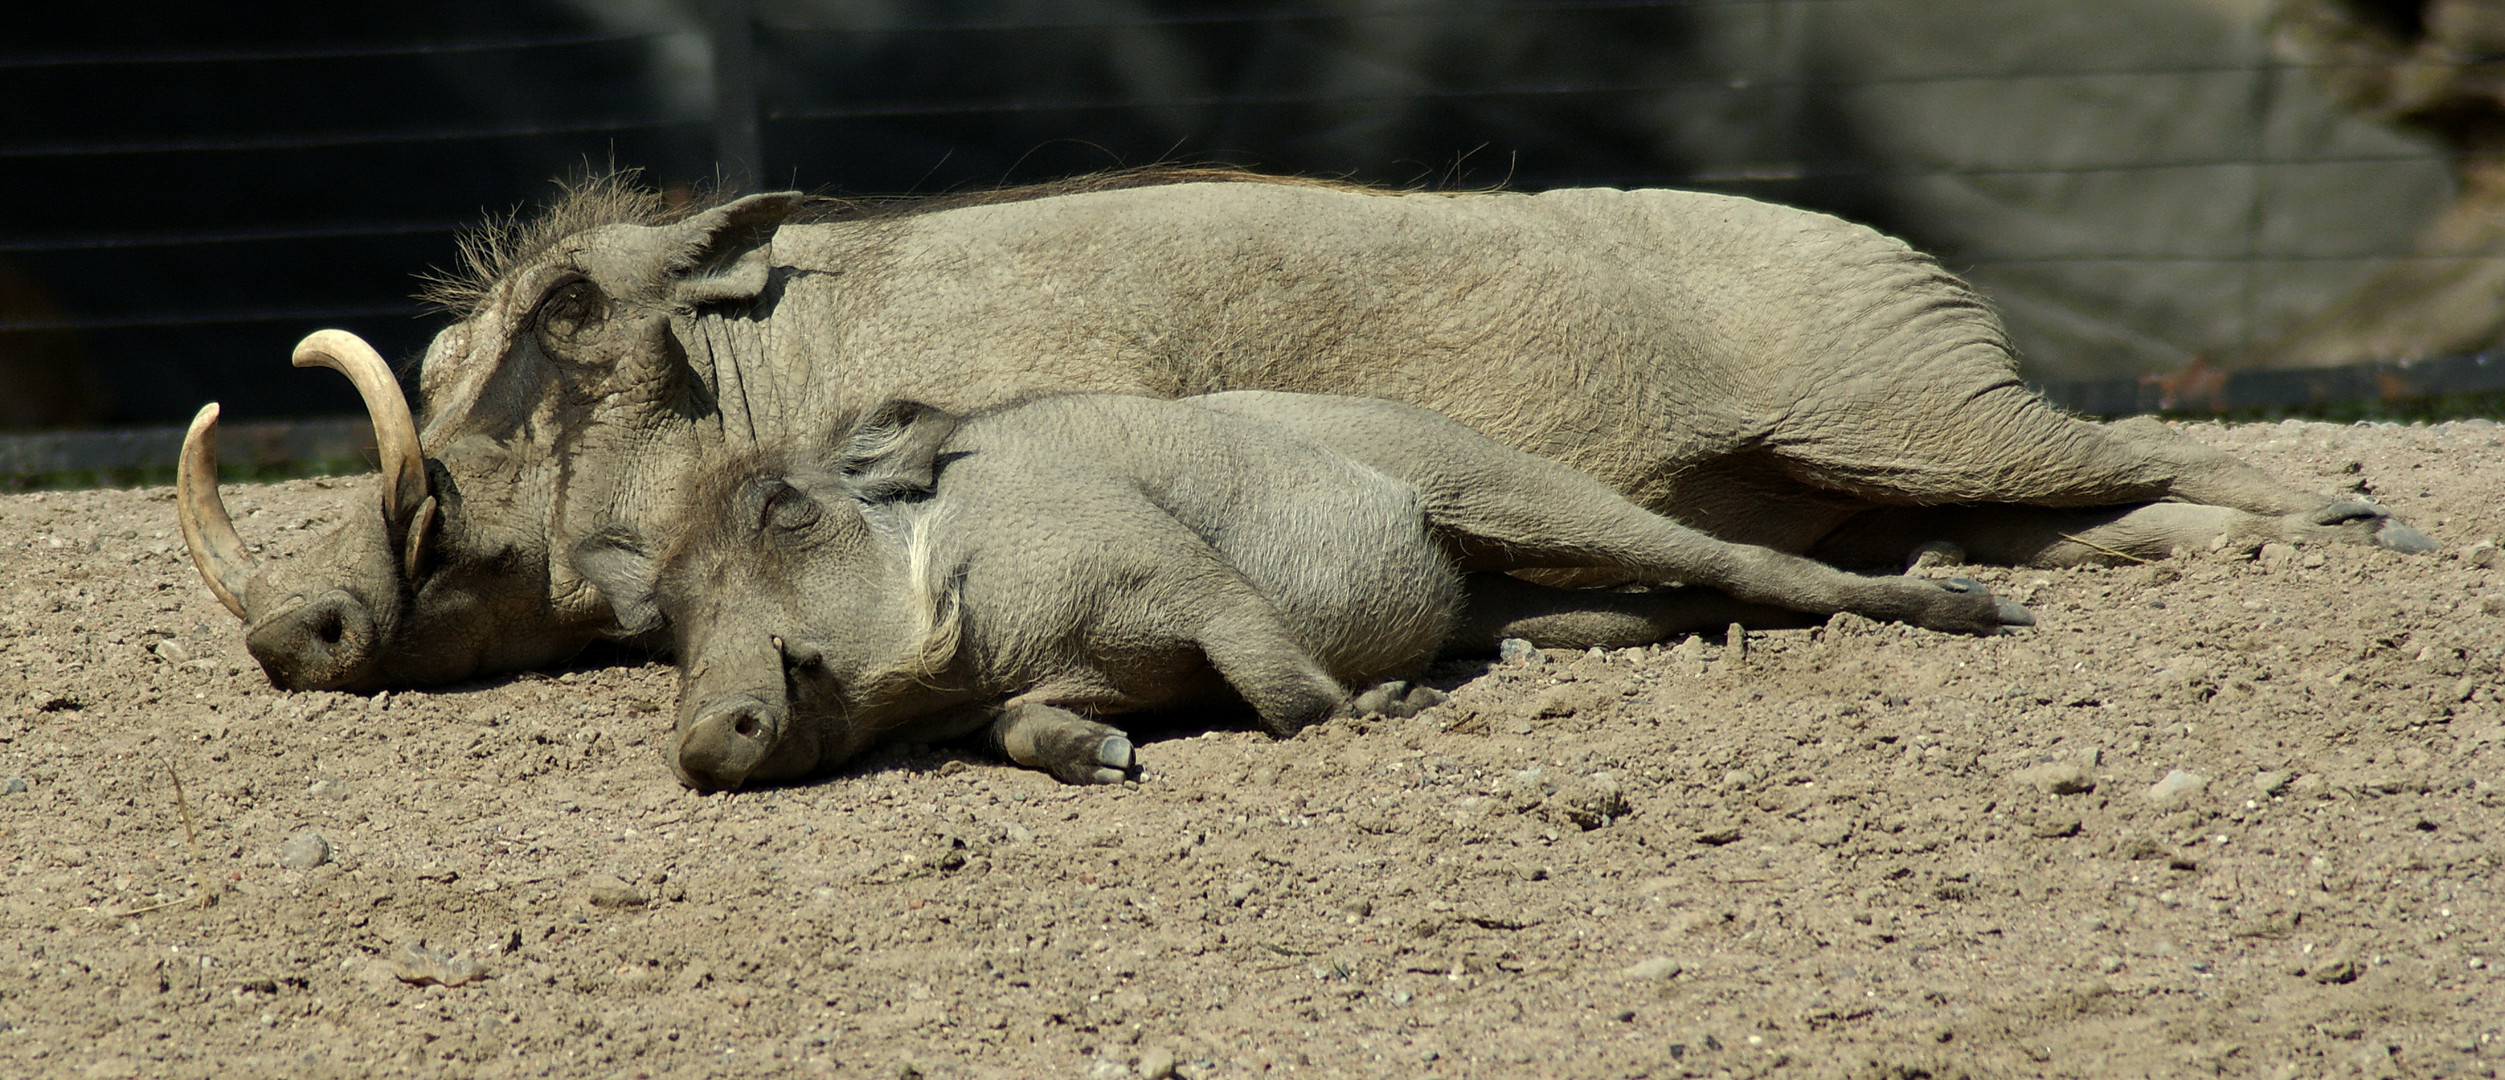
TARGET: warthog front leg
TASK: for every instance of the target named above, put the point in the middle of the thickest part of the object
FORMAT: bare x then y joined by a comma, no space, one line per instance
1503,606
1073,748
1252,649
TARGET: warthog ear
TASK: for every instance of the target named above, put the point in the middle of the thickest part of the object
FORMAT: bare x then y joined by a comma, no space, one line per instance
892,452
617,562
721,255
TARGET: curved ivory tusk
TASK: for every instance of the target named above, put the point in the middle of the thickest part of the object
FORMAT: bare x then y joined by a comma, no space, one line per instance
395,433
207,531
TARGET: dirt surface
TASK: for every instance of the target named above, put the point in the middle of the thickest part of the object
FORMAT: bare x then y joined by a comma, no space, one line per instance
1851,851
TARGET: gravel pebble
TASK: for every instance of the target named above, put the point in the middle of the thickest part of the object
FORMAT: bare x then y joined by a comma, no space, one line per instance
2270,783
1156,1063
1657,968
2484,555
304,851
1590,803
2179,787
15,785
1514,650
617,895
2056,778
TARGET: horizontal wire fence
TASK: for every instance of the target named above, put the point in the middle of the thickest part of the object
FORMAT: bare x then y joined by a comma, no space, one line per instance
173,310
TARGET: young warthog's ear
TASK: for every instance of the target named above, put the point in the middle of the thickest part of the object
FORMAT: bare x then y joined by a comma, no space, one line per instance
618,563
891,453
721,255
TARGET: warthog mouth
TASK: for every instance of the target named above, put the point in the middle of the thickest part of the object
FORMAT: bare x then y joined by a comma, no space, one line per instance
328,640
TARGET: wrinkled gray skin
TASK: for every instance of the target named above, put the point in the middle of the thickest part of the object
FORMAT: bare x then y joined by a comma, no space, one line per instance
1763,374
1083,556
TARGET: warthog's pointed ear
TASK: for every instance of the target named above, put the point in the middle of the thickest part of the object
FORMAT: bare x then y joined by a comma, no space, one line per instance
721,255
892,452
618,563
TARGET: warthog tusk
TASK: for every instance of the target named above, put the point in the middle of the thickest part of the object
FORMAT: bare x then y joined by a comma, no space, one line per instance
207,531
395,433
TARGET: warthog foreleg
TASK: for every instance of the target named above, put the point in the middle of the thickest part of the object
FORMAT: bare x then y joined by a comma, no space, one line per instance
1252,648
1073,748
1501,606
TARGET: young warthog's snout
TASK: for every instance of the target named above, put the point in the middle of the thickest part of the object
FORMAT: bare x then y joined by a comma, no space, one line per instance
726,742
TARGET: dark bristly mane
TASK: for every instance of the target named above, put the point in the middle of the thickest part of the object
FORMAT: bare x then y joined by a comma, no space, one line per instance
491,251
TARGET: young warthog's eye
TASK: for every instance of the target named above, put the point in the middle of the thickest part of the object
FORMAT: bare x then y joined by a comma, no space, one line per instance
572,311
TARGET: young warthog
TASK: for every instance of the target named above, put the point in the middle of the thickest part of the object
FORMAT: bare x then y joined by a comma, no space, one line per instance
1031,569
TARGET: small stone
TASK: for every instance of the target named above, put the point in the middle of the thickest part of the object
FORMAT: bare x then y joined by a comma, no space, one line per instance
1514,650
2054,826
1844,624
2056,778
1653,970
2179,787
1718,835
304,851
421,966
2333,971
171,651
2277,556
15,785
1735,644
1156,1063
329,788
1565,700
1590,803
1936,553
617,895
2271,783
2485,555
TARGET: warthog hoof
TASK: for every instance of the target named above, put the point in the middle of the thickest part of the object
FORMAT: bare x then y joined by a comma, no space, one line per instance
2346,510
2005,612
1075,749
2401,538
1396,698
2355,520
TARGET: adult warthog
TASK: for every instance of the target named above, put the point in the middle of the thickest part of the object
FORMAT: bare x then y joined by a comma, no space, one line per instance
1763,374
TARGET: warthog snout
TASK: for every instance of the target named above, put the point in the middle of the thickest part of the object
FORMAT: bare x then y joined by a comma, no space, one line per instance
323,642
728,740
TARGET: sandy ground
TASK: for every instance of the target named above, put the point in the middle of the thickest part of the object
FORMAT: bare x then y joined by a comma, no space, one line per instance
1854,851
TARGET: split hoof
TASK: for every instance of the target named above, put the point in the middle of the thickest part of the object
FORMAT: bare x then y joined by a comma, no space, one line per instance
1397,699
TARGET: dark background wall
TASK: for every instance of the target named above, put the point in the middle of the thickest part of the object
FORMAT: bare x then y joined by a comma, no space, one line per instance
191,187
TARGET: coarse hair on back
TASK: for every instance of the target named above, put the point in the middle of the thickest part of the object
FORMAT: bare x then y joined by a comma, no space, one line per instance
495,249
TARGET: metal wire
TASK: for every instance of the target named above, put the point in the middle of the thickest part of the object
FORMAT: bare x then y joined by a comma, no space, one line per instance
347,52
1727,82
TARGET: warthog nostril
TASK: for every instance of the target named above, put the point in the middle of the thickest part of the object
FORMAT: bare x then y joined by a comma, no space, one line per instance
330,628
726,742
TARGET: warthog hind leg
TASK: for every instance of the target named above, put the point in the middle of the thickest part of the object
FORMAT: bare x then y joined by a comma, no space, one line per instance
2040,536
1073,748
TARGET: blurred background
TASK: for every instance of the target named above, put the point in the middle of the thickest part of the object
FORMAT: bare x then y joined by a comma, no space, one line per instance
2143,186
